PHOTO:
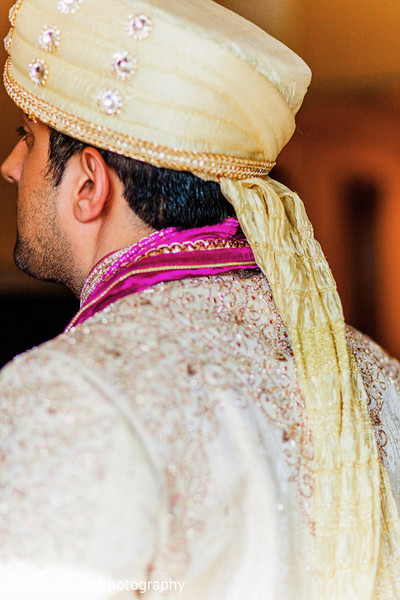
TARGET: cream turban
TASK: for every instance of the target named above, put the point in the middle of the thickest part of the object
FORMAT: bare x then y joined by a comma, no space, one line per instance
188,85
162,81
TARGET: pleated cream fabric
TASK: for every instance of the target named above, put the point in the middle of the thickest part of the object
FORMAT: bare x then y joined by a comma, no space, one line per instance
357,524
156,80
186,84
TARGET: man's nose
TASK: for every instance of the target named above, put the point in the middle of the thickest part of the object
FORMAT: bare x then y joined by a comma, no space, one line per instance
12,167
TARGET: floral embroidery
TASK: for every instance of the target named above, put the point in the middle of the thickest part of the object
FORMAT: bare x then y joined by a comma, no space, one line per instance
224,342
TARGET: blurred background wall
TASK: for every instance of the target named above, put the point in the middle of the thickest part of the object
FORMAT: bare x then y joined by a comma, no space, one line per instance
344,161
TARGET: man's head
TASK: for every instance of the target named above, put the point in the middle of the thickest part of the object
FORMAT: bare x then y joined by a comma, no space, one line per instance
70,195
152,95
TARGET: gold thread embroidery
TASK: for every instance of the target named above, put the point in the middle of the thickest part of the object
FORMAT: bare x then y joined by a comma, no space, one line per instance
107,267
154,270
246,343
374,368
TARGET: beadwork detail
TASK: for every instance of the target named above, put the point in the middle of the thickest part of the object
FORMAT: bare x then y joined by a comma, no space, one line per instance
105,270
110,101
370,359
211,343
124,65
7,41
219,165
38,71
49,38
251,350
139,27
12,15
69,7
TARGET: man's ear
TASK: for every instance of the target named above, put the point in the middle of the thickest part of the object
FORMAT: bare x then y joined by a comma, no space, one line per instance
91,186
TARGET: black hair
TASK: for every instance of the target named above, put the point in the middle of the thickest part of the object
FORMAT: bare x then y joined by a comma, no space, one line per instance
160,197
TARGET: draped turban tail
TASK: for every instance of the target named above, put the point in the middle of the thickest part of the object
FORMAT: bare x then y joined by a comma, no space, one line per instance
189,85
356,518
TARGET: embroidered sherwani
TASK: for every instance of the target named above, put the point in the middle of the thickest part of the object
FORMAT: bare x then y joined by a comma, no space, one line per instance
164,439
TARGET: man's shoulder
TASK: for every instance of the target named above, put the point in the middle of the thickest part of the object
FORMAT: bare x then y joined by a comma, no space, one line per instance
380,373
36,360
193,318
48,373
177,342
371,357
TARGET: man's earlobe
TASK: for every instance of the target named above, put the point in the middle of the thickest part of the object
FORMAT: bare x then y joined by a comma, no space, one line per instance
92,186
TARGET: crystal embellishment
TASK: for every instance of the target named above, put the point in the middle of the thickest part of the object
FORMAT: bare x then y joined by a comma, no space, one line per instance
124,65
139,26
12,15
7,42
38,71
69,7
110,101
49,38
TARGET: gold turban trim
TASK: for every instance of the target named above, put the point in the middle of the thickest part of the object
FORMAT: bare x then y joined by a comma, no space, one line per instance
189,85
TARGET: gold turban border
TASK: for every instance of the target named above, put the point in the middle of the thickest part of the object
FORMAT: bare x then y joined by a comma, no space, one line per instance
147,80
189,85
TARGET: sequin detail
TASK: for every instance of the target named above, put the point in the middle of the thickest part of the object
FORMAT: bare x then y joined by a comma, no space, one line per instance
139,27
49,38
69,7
38,71
124,65
110,102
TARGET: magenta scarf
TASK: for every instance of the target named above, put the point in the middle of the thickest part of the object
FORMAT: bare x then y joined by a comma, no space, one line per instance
166,255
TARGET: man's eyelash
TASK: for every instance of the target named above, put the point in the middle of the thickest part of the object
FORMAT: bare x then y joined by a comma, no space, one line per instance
21,132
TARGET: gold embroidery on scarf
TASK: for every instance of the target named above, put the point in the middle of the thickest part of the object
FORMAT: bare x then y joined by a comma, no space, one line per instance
103,272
